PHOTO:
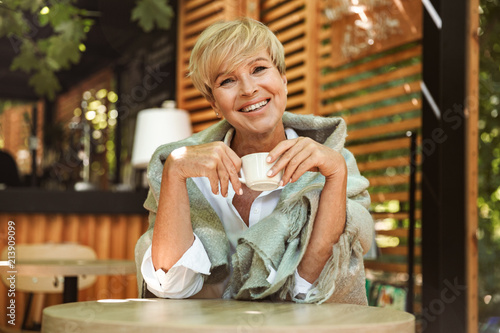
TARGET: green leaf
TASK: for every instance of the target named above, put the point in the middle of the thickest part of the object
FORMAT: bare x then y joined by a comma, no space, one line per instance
45,83
26,60
12,23
61,13
149,13
74,29
63,51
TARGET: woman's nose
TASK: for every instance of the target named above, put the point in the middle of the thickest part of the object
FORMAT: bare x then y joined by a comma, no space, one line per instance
248,87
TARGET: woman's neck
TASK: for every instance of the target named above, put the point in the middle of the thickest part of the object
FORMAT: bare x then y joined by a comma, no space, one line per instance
244,144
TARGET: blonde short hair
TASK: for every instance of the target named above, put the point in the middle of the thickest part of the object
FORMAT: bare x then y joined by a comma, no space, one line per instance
231,43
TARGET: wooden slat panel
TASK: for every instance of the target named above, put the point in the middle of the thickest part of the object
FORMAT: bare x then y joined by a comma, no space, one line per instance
287,21
181,66
202,116
291,33
54,231
324,33
399,250
187,82
295,101
312,100
294,46
396,216
392,180
399,232
301,110
37,234
372,97
385,163
369,65
265,5
386,111
196,104
372,81
103,247
390,267
135,224
385,180
324,53
189,44
295,59
400,196
296,73
213,7
71,228
189,5
91,230
399,126
295,87
192,93
282,10
379,146
200,26
185,61
201,126
118,250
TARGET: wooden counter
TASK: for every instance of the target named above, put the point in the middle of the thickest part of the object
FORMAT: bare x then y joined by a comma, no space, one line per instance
109,222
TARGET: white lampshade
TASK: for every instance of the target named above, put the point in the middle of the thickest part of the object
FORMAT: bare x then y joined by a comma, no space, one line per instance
156,127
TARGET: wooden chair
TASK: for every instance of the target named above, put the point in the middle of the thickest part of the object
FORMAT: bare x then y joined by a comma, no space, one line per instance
36,287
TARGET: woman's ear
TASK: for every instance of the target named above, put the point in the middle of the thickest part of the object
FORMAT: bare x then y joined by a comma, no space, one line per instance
284,79
215,108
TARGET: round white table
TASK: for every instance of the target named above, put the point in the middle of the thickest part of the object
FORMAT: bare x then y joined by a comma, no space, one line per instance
221,316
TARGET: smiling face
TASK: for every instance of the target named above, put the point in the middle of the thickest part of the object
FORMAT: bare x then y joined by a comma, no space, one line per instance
252,98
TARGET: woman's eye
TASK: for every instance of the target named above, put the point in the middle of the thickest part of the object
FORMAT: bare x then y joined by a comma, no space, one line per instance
226,81
259,69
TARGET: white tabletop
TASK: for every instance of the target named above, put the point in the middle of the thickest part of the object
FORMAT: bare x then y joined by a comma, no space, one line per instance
189,315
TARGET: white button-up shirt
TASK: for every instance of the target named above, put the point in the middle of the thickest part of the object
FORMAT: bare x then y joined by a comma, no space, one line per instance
184,278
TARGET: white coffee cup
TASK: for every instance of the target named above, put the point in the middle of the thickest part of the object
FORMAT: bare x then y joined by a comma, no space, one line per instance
254,172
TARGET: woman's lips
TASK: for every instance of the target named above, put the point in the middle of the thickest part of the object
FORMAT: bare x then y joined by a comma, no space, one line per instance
255,106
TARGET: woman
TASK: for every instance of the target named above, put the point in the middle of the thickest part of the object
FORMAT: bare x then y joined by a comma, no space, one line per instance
210,235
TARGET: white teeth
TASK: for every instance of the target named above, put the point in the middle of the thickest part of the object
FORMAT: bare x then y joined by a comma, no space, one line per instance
254,106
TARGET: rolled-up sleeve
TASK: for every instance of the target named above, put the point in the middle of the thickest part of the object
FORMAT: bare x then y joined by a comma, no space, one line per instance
184,279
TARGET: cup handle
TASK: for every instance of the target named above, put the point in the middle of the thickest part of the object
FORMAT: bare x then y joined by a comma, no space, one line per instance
242,177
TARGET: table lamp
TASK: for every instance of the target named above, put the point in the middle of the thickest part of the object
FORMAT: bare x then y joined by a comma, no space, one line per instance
155,127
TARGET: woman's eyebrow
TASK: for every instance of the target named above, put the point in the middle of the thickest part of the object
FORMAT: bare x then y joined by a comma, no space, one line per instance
257,59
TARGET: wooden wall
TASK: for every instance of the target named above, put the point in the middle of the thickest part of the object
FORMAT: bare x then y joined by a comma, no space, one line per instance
111,236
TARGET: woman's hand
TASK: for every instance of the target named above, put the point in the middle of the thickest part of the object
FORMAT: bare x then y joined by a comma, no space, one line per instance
214,160
296,156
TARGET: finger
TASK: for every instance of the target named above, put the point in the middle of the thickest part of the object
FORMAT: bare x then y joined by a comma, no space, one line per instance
299,144
229,174
233,165
223,179
213,178
280,148
302,168
295,167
